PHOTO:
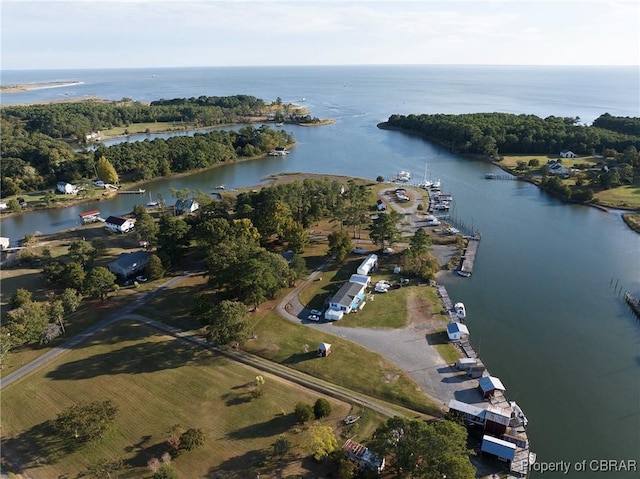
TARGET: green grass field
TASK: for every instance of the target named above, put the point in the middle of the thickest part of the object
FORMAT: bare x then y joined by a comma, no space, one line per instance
158,382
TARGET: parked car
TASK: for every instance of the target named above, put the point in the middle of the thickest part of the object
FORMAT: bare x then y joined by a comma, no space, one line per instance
141,279
387,251
313,317
316,312
381,289
359,250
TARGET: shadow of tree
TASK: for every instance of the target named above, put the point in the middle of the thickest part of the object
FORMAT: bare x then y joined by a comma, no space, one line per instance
439,337
146,452
40,445
273,427
138,358
243,463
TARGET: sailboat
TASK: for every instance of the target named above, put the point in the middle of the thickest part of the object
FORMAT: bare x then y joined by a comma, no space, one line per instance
426,184
151,203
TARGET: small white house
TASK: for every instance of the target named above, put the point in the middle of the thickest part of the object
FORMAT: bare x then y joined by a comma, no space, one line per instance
567,154
4,243
457,331
350,297
66,188
186,206
369,265
3,205
118,224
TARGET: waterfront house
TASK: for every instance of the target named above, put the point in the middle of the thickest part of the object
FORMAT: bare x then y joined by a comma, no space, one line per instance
324,349
349,297
185,206
503,450
3,205
556,168
364,457
567,154
118,224
4,243
457,331
129,264
488,385
66,188
369,265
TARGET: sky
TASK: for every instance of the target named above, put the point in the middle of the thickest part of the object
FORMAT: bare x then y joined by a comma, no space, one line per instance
45,34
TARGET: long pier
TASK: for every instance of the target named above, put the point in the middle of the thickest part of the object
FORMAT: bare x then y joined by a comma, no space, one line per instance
516,432
633,303
139,191
469,256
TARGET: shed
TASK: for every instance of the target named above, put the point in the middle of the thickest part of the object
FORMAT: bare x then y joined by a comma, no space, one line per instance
118,224
369,265
503,450
489,385
129,264
457,331
324,349
90,216
333,315
360,279
464,364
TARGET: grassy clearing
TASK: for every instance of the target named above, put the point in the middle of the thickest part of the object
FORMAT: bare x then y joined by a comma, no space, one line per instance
294,345
157,382
627,197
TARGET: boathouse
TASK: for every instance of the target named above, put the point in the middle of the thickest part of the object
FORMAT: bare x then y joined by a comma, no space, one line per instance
90,216
457,331
503,450
118,224
488,385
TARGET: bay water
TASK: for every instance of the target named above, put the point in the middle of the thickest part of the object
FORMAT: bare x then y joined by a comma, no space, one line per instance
544,304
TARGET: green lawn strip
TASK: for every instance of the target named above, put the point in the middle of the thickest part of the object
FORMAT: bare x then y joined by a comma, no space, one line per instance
350,365
157,382
627,196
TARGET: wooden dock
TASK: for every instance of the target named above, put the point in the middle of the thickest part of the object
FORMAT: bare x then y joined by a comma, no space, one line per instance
139,191
447,304
469,256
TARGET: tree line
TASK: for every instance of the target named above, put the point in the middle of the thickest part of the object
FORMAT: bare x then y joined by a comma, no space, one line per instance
492,134
37,140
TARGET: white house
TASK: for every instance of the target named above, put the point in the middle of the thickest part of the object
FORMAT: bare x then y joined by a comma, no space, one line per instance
363,456
3,205
118,224
457,331
556,168
129,264
66,188
185,206
368,265
4,242
349,297
567,154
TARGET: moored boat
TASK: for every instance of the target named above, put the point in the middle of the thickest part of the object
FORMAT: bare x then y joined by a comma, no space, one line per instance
461,312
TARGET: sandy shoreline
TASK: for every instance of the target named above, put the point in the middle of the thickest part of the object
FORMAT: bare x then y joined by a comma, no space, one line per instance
37,86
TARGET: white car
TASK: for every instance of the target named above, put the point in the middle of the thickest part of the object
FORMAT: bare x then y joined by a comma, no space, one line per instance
381,289
141,279
387,251
99,183
313,317
316,312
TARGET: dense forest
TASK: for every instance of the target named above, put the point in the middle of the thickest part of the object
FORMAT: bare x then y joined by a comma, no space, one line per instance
494,134
37,140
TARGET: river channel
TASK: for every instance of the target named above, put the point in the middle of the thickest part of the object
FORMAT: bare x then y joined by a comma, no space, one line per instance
544,304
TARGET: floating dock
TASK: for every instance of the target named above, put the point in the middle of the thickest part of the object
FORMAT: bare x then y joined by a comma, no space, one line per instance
633,303
139,191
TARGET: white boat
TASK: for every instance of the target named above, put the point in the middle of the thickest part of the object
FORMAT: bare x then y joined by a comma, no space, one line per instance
151,203
426,184
220,187
465,274
460,310
403,176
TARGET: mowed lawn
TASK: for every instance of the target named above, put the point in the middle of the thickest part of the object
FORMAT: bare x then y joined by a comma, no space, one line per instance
157,382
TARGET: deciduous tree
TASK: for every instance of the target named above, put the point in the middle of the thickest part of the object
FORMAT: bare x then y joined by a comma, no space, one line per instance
228,322
340,244
86,421
320,441
106,171
99,281
321,408
27,323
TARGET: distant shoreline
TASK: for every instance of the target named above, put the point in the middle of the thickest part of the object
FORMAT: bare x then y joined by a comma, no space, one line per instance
17,88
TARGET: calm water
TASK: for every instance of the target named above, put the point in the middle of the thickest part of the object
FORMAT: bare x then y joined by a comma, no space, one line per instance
542,308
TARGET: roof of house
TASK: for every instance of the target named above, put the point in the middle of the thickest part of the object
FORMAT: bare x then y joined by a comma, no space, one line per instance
116,220
360,279
90,213
498,447
127,260
347,293
453,328
465,408
490,383
185,204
